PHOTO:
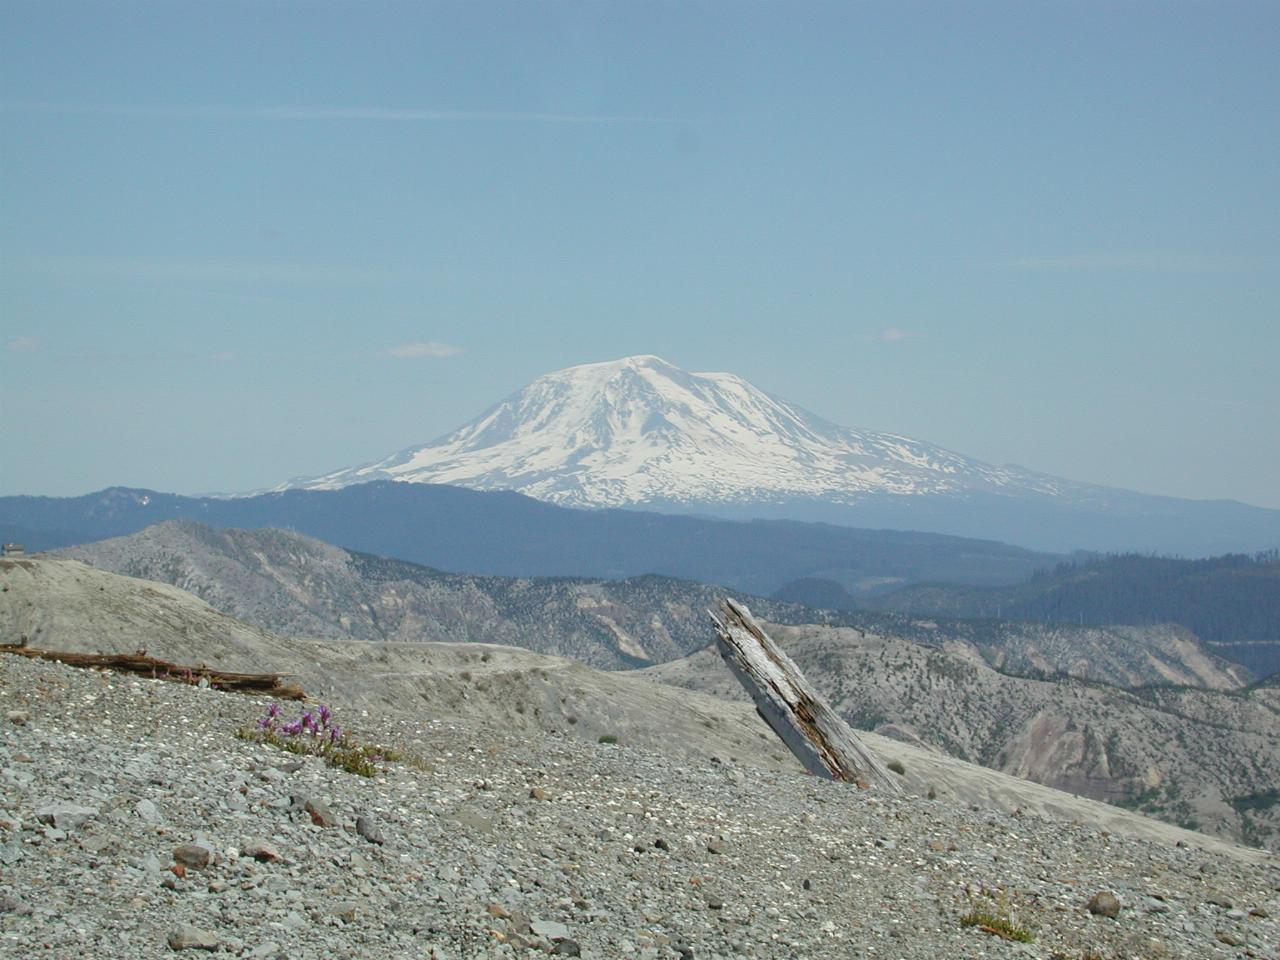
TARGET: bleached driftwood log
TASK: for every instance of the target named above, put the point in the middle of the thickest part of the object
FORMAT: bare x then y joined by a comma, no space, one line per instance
272,683
821,741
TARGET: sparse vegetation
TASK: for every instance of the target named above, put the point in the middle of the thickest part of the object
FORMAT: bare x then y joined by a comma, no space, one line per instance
607,738
996,925
315,734
897,767
994,914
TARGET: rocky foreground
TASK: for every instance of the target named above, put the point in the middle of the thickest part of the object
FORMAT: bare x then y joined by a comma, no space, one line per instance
1185,744
133,823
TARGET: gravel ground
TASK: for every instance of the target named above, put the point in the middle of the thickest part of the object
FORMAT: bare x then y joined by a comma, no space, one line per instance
116,790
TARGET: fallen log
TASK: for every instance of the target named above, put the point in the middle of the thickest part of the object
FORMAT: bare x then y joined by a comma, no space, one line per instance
268,683
822,742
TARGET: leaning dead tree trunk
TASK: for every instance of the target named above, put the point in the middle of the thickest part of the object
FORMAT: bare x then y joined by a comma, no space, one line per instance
821,741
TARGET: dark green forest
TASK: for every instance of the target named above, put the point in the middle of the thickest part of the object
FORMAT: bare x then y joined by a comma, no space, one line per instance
1231,602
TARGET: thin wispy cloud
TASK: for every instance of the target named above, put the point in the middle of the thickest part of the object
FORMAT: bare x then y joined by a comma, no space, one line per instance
91,356
367,114
887,335
1157,261
428,348
224,356
143,268
22,345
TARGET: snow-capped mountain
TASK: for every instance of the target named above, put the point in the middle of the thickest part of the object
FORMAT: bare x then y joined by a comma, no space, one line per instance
641,431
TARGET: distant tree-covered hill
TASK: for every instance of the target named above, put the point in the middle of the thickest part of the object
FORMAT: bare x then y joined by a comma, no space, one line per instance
1231,602
507,534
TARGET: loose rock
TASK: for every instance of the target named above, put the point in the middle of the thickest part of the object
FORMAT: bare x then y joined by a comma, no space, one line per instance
147,810
321,816
260,850
65,816
1104,904
188,937
549,929
368,828
193,855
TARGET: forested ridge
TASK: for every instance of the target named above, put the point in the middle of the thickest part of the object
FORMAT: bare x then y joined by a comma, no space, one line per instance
1231,601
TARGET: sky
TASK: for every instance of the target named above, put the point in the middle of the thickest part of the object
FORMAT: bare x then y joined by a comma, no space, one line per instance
243,242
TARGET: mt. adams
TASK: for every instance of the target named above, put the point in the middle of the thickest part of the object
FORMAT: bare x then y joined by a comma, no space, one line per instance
639,432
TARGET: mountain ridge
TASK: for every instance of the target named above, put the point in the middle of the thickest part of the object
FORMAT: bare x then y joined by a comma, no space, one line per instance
508,534
641,433
295,585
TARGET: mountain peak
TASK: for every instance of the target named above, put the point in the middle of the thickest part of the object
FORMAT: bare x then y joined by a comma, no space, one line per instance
641,430
593,377
636,360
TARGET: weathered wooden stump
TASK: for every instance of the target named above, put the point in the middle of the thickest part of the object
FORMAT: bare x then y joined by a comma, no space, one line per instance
814,732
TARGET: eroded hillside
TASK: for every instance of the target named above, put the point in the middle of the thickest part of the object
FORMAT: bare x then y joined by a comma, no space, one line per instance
1206,759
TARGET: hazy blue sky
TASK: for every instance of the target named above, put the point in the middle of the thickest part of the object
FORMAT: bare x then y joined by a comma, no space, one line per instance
248,241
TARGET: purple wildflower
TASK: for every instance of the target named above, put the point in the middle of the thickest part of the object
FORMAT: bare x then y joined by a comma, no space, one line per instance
309,722
292,728
335,734
325,715
264,723
273,711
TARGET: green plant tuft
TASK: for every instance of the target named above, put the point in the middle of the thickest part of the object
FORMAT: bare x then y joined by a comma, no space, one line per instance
993,911
998,926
